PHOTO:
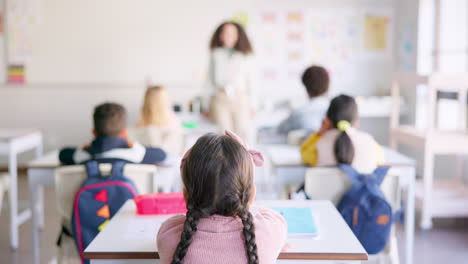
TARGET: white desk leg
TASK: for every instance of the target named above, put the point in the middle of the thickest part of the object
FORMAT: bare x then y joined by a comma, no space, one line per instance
426,213
40,202
33,196
40,207
410,214
14,221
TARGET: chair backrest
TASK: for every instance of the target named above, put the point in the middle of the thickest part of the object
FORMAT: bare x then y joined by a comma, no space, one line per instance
331,184
68,180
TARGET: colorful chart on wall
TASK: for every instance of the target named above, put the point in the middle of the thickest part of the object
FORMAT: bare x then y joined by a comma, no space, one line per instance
22,15
286,42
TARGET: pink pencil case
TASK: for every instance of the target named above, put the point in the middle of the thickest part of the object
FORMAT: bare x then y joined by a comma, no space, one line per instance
160,203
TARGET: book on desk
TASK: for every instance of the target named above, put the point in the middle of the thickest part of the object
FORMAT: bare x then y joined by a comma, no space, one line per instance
301,221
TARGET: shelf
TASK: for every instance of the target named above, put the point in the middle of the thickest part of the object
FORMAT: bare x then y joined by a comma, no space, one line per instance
449,198
442,142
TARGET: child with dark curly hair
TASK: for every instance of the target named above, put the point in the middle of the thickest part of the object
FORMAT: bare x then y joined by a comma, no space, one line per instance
309,117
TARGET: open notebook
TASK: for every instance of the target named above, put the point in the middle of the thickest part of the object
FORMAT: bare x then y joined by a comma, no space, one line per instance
300,221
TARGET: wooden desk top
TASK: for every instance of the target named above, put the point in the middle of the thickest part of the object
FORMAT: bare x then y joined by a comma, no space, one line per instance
284,155
131,236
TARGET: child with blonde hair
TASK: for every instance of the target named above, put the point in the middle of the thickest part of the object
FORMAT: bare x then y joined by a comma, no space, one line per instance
159,126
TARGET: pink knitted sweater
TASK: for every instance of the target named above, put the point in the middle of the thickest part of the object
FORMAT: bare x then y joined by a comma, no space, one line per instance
219,239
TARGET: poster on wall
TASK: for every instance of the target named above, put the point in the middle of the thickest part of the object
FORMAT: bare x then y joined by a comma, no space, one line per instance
339,39
22,16
376,32
16,74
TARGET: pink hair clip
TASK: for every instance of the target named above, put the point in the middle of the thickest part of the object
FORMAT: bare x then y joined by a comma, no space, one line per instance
257,157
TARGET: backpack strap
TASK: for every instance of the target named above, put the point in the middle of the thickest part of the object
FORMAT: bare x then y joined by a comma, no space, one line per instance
354,176
379,174
92,169
117,169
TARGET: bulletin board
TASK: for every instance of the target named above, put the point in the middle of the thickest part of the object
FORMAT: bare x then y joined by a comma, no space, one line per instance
355,45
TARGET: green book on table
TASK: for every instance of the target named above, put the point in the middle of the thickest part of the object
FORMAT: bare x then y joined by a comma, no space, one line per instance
300,220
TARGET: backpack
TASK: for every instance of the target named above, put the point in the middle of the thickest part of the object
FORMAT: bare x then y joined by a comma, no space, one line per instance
366,210
97,200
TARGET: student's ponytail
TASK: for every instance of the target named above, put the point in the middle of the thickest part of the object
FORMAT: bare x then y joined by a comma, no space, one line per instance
342,113
343,147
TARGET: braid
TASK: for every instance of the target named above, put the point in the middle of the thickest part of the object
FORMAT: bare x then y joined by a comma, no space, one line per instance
249,236
190,227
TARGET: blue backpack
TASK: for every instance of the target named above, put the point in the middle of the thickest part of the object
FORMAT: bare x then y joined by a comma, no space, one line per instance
366,210
98,199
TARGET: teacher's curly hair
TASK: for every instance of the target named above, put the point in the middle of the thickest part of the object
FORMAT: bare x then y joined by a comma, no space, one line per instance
243,44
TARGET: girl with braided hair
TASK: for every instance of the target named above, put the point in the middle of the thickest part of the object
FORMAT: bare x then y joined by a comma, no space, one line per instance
220,225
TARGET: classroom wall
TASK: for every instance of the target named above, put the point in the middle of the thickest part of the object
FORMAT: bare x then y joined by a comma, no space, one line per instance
86,52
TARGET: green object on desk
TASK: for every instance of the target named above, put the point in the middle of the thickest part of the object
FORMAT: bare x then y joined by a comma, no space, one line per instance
300,220
190,125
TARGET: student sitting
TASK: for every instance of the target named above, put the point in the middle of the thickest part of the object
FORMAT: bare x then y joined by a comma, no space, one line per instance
309,117
159,126
110,143
340,141
220,225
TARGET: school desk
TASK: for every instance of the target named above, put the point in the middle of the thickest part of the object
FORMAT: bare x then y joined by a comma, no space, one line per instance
288,157
12,143
130,238
40,174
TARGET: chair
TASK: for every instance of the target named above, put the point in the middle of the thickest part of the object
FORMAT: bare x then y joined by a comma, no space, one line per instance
4,185
68,180
442,198
331,184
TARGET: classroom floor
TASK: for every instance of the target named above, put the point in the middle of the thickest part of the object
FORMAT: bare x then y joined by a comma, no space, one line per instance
447,242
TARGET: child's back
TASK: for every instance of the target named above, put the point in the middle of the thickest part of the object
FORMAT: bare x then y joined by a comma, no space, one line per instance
219,238
170,139
159,126
110,143
367,152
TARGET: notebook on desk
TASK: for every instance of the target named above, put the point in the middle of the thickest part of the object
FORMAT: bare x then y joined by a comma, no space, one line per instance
300,221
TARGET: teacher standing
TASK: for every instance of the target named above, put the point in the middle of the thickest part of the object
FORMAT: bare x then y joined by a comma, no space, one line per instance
231,79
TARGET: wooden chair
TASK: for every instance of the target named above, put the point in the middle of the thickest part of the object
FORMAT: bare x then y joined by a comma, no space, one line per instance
331,184
68,180
4,186
441,199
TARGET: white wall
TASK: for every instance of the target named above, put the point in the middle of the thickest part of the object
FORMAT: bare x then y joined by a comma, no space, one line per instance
86,52
122,41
